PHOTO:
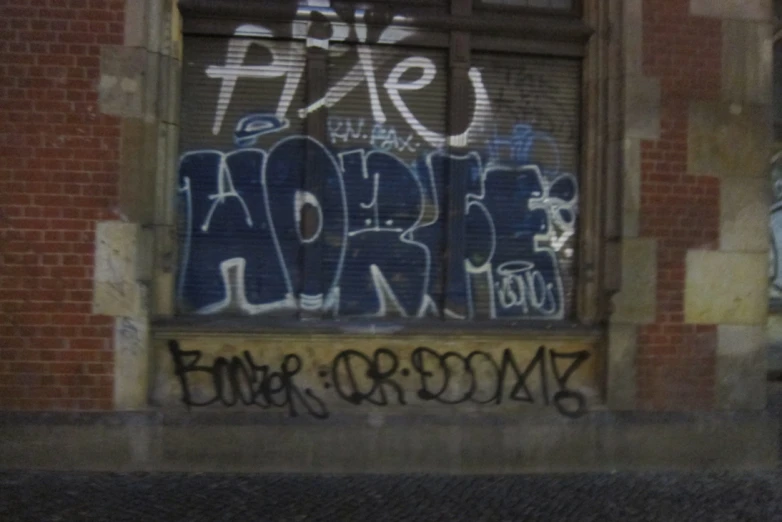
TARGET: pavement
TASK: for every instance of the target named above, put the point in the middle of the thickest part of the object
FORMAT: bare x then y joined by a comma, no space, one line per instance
661,496
49,496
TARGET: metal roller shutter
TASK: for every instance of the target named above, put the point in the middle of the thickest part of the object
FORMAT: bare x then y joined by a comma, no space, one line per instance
387,172
394,240
239,244
529,149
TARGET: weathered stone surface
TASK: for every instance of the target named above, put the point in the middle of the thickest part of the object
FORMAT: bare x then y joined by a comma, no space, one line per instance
631,185
774,342
642,107
632,11
729,140
737,9
135,23
376,374
449,443
741,367
726,287
744,214
747,62
636,302
131,362
122,80
115,289
621,383
138,171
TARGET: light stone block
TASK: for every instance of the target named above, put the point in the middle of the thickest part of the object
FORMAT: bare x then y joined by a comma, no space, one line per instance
138,170
632,11
737,9
729,140
135,23
747,62
622,349
636,302
122,80
642,107
116,291
726,288
774,342
131,363
744,215
741,367
330,371
631,186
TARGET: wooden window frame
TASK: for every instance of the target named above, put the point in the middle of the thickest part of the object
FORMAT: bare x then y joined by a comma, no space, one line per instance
464,26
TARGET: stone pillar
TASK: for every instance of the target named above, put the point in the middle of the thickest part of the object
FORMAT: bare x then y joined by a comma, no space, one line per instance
731,138
635,303
140,83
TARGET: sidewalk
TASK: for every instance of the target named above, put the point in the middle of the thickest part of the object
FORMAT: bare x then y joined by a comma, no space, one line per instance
193,497
43,496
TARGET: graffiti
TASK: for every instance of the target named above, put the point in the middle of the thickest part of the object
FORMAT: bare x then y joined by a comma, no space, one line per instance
130,335
379,136
239,380
288,62
384,378
452,378
395,206
378,226
509,100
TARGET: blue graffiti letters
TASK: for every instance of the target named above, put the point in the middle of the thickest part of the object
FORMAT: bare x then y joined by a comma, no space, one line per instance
380,234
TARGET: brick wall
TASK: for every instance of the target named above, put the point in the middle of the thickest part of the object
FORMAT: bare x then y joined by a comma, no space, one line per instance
676,361
59,161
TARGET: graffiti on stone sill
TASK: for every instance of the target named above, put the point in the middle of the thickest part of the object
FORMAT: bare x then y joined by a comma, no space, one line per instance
383,379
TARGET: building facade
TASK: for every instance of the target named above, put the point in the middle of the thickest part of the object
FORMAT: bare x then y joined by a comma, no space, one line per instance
460,235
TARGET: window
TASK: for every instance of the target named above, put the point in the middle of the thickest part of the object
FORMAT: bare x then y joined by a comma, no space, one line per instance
418,160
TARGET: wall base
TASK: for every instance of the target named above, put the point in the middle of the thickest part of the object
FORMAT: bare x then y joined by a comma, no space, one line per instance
155,441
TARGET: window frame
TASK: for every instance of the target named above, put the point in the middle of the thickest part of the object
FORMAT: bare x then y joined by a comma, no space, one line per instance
583,33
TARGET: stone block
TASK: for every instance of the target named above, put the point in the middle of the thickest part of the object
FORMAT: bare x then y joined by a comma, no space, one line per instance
135,23
744,214
116,291
157,14
726,288
747,62
131,363
138,169
642,107
174,46
631,201
729,140
774,342
632,37
741,367
334,374
636,302
122,80
166,242
737,9
622,349
151,102
169,90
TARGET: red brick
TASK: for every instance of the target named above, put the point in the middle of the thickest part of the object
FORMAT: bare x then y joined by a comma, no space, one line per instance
679,210
51,146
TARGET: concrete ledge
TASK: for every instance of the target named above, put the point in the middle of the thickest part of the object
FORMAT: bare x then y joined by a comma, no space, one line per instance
387,444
